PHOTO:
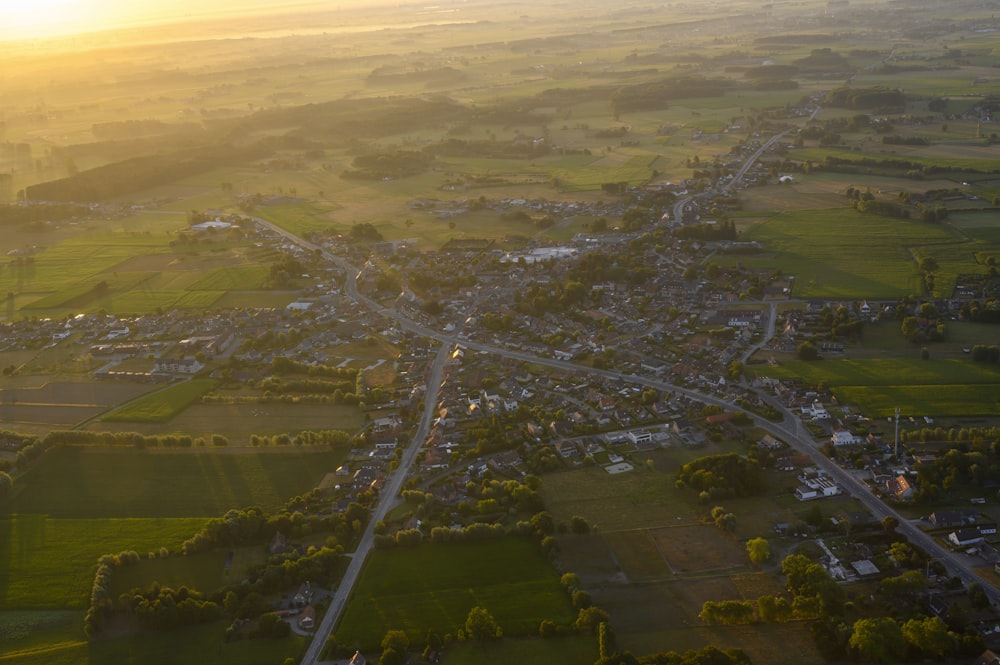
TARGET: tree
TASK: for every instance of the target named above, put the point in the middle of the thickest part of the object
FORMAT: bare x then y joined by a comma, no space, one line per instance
930,635
889,523
807,351
481,626
929,264
879,639
394,647
759,550
6,485
910,327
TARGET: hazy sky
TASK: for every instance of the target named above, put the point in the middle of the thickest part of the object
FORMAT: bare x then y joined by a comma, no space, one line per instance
21,19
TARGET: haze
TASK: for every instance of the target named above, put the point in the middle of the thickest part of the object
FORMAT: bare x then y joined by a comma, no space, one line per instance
34,19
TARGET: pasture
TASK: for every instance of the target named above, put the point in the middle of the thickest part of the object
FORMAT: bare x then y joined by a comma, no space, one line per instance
48,563
97,481
434,586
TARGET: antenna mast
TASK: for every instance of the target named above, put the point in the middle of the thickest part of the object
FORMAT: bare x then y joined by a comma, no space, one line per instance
895,450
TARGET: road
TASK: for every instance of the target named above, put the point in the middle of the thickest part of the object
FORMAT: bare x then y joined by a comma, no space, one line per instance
386,499
789,430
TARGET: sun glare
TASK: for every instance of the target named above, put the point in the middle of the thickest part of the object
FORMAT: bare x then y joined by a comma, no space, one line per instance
26,19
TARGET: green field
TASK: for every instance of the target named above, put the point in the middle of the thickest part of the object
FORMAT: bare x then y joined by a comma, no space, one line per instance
435,586
559,650
944,387
196,644
837,253
92,481
48,563
205,571
162,405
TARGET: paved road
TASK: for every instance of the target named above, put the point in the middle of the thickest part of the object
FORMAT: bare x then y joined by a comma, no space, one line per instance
789,430
386,499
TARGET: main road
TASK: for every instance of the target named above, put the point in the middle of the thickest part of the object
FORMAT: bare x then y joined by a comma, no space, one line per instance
789,430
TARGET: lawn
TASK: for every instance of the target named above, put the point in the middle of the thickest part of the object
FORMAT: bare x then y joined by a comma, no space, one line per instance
48,563
94,481
435,586
162,405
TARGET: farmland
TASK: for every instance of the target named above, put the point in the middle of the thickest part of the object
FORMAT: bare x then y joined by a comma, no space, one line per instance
435,586
162,405
662,555
94,481
924,387
48,562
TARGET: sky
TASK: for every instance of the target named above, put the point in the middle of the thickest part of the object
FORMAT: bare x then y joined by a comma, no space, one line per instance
29,19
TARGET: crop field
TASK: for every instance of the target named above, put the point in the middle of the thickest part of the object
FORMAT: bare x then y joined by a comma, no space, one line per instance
93,481
162,405
698,548
924,400
885,372
840,254
637,555
62,404
936,387
48,563
240,421
435,586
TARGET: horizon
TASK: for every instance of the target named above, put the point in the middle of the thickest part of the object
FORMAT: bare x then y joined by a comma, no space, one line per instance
53,20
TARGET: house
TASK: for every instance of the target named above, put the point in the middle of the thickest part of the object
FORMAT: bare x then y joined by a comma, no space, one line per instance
639,436
843,437
965,537
303,596
357,659
951,518
307,618
816,411
987,657
177,366
567,449
899,488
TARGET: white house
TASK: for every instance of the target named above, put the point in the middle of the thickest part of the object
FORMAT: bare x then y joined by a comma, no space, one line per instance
844,437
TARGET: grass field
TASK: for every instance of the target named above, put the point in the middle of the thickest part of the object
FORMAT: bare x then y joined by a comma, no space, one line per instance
91,481
837,253
205,571
49,563
435,586
196,644
162,405
577,649
240,421
936,387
